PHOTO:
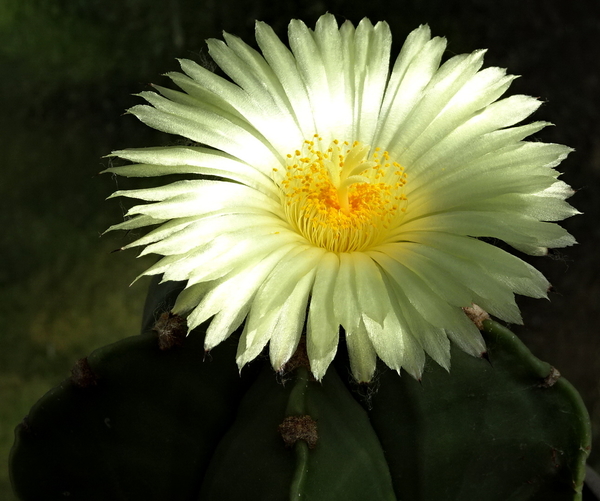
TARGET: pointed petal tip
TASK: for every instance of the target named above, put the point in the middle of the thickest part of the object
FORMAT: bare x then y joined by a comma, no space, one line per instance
137,278
112,154
261,26
478,54
207,354
485,356
318,371
143,253
278,367
241,361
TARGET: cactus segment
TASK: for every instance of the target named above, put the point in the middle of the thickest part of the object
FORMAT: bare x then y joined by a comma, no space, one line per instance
501,429
135,422
345,463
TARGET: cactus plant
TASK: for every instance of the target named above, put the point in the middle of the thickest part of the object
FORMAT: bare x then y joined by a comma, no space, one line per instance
333,192
135,421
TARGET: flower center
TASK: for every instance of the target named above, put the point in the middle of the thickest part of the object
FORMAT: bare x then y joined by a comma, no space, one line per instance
342,198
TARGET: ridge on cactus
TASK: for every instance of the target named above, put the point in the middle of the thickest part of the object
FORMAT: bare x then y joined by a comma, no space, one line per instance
346,189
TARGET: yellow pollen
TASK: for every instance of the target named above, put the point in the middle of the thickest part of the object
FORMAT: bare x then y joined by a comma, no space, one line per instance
340,196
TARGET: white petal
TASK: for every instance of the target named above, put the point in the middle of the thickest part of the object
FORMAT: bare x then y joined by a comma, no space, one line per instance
226,253
284,66
207,128
345,298
518,168
361,353
429,305
370,68
493,296
263,323
392,339
399,342
291,322
267,107
530,205
189,298
255,336
281,282
497,263
435,96
209,88
519,231
135,222
191,160
482,89
231,96
194,198
163,231
340,99
434,275
210,227
312,71
461,196
402,97
231,299
322,328
413,45
498,115
431,339
454,155
370,287
244,249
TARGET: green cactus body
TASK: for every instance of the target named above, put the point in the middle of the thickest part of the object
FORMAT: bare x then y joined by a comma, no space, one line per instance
140,422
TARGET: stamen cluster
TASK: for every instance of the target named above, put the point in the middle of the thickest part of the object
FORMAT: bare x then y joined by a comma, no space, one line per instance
342,198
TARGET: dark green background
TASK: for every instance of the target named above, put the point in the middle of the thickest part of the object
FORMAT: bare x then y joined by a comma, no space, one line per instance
69,69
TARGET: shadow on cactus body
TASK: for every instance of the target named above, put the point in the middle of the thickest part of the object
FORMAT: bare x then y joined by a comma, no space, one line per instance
139,422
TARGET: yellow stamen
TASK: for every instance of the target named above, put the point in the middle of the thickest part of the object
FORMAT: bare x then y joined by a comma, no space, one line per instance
340,197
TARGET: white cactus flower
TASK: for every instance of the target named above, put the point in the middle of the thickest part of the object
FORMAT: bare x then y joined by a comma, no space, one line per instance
343,193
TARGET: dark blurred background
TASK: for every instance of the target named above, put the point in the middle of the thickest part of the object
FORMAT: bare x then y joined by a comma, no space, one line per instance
69,70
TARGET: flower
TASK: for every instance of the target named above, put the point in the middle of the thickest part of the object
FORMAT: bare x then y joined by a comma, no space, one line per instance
333,191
